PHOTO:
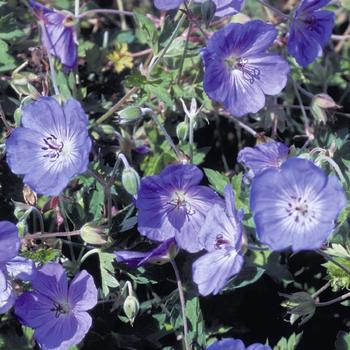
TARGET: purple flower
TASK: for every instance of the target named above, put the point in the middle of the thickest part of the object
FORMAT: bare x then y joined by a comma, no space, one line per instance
295,206
174,205
11,266
263,156
58,33
236,344
51,147
55,310
238,69
223,7
311,29
158,255
221,236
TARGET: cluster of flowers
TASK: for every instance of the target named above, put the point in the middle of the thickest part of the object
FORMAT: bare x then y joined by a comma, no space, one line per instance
239,70
55,310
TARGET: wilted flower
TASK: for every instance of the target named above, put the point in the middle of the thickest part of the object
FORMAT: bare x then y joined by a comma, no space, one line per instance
322,107
174,205
221,236
159,255
223,7
236,344
51,147
295,206
55,310
238,69
263,156
12,266
311,29
58,33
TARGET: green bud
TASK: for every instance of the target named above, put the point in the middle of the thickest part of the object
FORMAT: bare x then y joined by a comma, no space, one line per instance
208,9
93,234
299,305
182,131
131,308
129,115
322,107
131,180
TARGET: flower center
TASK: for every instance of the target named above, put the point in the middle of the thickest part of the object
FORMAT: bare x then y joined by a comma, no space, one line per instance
179,201
53,147
221,242
299,210
69,21
250,73
60,309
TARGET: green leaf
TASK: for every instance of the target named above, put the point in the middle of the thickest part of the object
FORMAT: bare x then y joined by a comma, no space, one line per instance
160,92
217,180
338,277
288,344
346,4
7,62
42,255
97,202
107,272
248,275
146,31
9,28
343,341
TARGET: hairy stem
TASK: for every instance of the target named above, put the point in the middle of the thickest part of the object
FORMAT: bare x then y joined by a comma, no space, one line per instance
333,301
39,235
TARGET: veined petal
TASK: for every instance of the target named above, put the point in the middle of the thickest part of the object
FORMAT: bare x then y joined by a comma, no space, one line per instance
227,344
166,5
9,241
21,268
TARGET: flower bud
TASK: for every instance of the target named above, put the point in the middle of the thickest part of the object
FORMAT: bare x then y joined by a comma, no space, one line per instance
129,115
300,304
130,180
93,234
182,131
131,308
322,106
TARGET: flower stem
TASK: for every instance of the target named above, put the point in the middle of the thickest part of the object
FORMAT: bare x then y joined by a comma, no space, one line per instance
333,301
321,290
39,235
53,73
273,9
303,112
245,127
165,133
76,8
3,118
108,11
182,302
184,53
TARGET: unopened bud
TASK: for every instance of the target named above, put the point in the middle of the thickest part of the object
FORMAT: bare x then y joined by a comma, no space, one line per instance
29,195
131,308
130,180
323,106
129,115
182,131
299,305
93,234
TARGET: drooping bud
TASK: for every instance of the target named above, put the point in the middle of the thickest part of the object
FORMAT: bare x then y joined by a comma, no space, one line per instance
131,180
129,115
182,131
93,234
322,107
131,308
299,305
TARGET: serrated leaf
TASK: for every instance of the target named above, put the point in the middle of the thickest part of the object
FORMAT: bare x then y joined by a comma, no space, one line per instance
217,180
338,277
197,330
290,343
107,272
97,202
147,31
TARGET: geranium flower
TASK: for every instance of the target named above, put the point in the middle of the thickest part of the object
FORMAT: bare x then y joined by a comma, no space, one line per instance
236,344
221,236
263,156
55,310
159,255
58,33
12,266
238,69
51,147
223,7
174,205
295,206
311,29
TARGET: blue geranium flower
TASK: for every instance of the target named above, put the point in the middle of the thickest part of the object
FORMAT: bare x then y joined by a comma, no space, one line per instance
223,7
236,344
310,31
263,156
51,147
58,33
56,311
12,266
221,236
238,69
173,204
295,206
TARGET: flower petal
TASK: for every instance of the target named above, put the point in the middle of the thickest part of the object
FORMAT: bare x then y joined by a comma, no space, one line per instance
9,241
21,268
